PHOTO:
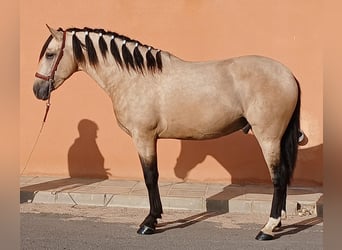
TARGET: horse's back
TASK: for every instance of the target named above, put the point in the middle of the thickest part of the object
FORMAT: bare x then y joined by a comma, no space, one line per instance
215,98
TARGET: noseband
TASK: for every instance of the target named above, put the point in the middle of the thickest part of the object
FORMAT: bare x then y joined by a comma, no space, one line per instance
50,77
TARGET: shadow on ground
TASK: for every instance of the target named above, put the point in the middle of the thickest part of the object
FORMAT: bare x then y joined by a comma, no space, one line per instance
278,233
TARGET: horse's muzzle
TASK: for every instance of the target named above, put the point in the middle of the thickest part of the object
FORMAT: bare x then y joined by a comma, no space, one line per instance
42,90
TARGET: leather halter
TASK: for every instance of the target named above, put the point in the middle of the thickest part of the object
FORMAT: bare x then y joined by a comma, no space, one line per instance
50,77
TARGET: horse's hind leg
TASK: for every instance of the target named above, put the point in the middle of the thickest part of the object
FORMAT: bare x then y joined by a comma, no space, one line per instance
271,152
148,158
279,198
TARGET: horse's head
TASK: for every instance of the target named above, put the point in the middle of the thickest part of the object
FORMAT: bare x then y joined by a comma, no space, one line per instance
56,64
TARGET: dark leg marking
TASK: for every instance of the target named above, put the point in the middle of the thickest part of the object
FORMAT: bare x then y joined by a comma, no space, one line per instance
278,204
151,175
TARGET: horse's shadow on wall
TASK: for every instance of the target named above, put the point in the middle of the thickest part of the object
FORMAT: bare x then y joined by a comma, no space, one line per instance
240,155
86,165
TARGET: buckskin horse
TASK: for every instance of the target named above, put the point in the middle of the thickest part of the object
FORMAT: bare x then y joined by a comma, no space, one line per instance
157,95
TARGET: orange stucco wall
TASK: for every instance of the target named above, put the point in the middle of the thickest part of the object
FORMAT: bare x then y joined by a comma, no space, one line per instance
81,136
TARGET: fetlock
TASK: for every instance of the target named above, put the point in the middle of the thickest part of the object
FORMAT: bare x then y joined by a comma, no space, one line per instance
150,221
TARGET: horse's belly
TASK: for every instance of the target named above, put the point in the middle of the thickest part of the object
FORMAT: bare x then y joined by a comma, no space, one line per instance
199,130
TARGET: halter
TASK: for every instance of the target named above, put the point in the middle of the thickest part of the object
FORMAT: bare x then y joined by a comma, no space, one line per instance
50,77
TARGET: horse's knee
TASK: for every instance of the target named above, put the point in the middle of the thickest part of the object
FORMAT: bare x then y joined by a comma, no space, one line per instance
151,177
150,171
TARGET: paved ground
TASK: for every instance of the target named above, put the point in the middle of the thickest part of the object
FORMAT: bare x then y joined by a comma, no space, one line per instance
57,226
72,213
248,199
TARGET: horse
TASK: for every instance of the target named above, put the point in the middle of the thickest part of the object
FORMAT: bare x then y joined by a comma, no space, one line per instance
157,95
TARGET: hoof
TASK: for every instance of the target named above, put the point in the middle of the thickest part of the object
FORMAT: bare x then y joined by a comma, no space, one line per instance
145,230
263,236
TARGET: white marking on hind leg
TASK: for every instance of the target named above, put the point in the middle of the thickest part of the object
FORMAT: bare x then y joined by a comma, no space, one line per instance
283,214
271,224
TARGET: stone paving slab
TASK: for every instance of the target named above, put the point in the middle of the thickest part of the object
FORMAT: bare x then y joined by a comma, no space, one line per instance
183,195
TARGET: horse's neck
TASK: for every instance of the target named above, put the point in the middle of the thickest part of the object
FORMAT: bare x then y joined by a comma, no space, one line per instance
111,73
105,75
110,76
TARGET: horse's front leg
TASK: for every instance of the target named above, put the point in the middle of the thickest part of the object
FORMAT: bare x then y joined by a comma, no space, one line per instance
150,171
148,159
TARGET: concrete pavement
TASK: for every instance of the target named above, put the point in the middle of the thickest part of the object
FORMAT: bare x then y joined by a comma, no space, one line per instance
175,195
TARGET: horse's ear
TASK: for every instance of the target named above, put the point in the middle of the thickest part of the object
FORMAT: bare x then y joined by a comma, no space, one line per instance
55,33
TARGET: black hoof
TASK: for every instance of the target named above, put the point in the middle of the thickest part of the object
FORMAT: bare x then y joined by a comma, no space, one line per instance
145,230
263,236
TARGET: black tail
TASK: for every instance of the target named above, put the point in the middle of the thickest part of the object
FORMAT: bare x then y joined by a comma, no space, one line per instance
289,144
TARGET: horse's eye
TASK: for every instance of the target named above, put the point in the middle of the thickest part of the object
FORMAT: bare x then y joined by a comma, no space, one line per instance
49,55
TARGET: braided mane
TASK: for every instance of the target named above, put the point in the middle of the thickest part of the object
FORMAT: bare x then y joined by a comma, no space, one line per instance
151,61
126,59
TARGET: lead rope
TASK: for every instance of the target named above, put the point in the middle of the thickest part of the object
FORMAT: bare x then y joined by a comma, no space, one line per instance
48,104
